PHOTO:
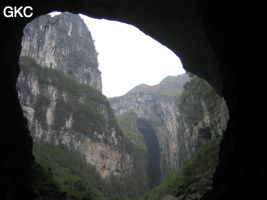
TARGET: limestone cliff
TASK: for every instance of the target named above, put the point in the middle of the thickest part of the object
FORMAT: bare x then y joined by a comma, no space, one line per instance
164,108
59,89
160,113
63,42
202,116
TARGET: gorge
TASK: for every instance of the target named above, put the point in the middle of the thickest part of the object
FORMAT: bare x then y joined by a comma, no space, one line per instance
209,38
60,92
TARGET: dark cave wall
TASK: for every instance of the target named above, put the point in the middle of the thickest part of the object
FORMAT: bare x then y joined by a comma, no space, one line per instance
231,31
16,169
235,31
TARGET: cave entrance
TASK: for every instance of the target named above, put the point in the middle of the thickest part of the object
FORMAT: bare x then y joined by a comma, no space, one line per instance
53,109
153,169
60,92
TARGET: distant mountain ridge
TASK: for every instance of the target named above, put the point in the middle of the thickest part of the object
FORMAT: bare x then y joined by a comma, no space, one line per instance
171,85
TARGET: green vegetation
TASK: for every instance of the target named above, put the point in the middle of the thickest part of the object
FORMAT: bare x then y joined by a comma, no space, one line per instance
190,100
137,182
44,184
84,102
90,112
57,78
67,171
62,173
195,92
196,166
127,122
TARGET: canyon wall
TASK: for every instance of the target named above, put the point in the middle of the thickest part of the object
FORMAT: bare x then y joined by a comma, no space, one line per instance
184,114
60,92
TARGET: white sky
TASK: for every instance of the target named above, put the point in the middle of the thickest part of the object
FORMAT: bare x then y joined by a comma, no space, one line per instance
128,57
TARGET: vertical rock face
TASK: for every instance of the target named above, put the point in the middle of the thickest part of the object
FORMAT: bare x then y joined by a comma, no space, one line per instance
59,90
202,116
157,107
165,108
63,42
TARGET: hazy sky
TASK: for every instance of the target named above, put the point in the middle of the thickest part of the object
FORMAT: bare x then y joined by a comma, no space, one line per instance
128,57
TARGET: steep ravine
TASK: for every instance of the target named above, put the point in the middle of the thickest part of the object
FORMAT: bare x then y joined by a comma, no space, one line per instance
160,112
209,36
60,92
183,114
202,119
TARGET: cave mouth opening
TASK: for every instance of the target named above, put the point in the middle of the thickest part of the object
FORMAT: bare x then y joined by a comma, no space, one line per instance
153,171
45,106
127,55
